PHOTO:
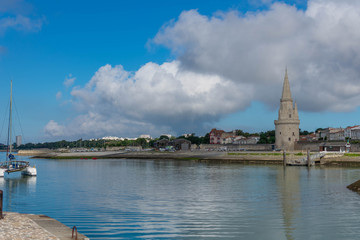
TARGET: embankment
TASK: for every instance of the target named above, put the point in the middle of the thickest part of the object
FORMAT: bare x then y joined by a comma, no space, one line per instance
331,159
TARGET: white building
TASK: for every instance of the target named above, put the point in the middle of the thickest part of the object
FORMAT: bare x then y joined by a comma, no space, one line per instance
146,136
352,132
18,140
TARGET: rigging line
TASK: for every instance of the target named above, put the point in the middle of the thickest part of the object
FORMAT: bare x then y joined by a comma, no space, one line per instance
18,118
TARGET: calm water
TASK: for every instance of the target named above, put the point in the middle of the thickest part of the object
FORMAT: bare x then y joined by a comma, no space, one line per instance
115,199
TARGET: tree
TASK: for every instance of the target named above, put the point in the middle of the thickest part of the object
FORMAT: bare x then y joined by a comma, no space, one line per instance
164,137
239,132
304,132
267,137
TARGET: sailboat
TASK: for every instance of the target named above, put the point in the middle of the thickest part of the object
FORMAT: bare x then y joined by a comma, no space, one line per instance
11,164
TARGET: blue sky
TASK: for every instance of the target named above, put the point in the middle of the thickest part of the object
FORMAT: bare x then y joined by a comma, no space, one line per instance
94,68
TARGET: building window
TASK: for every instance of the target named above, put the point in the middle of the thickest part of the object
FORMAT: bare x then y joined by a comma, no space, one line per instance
289,115
289,139
293,134
280,133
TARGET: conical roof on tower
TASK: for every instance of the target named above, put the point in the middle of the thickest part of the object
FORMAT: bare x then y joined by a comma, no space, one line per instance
286,94
296,113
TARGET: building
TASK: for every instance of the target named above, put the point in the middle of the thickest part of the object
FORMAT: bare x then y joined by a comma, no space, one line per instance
18,140
312,137
215,136
177,144
287,125
162,143
352,132
337,135
146,136
332,134
181,144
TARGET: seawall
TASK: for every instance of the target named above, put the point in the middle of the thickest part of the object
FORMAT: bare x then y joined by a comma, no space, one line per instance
331,159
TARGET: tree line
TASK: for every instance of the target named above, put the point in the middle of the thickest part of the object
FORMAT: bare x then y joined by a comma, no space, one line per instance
267,137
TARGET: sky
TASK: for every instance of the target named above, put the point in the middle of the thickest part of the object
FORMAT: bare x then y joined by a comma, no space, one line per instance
88,69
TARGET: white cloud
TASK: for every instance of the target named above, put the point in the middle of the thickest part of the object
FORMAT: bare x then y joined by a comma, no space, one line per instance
58,95
226,61
15,15
155,97
15,6
53,129
20,23
319,46
69,80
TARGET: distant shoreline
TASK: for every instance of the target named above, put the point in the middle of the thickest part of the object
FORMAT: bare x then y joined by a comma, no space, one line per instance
200,156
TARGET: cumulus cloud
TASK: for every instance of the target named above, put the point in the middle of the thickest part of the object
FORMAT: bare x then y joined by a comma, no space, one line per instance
53,129
156,97
69,80
319,46
226,61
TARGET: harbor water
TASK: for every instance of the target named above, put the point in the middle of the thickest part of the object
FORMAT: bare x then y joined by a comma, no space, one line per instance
167,199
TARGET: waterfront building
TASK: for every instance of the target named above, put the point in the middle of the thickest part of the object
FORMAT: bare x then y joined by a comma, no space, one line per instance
331,134
338,135
352,132
146,136
111,138
287,125
215,136
312,137
18,140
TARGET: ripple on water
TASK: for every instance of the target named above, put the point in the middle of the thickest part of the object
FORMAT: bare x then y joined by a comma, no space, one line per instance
122,199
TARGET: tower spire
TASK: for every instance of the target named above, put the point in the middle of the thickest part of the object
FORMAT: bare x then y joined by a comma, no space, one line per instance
286,94
287,125
296,113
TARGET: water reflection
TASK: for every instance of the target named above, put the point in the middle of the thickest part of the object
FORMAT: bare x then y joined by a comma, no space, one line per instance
146,199
289,190
17,186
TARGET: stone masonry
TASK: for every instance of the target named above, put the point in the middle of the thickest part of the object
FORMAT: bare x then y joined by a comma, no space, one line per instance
287,125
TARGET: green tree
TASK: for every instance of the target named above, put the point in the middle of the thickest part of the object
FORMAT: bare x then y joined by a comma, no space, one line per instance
267,137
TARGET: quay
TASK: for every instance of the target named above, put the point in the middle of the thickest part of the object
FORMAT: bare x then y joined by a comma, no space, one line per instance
40,227
244,157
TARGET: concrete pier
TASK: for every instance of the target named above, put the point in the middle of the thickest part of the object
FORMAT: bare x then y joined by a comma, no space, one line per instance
30,226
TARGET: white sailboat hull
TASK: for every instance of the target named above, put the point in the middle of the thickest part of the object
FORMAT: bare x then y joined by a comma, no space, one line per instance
29,171
2,172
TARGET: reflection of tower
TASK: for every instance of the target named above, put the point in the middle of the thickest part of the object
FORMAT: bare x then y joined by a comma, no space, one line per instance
287,126
288,182
18,140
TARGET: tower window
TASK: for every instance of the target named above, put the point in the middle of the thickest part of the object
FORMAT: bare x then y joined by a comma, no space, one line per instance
280,133
293,134
289,115
289,139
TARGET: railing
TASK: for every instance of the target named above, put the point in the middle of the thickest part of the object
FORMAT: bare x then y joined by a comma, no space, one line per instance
304,160
14,166
1,204
74,229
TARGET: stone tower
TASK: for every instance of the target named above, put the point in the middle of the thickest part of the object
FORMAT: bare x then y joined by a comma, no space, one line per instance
287,126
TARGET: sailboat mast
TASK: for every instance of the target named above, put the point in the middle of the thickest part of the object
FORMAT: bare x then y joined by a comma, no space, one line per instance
10,125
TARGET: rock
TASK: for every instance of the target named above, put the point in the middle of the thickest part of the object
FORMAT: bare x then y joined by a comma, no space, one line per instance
355,186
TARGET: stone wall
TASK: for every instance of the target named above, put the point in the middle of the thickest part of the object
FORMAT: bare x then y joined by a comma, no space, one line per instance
315,146
237,147
304,146
33,152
